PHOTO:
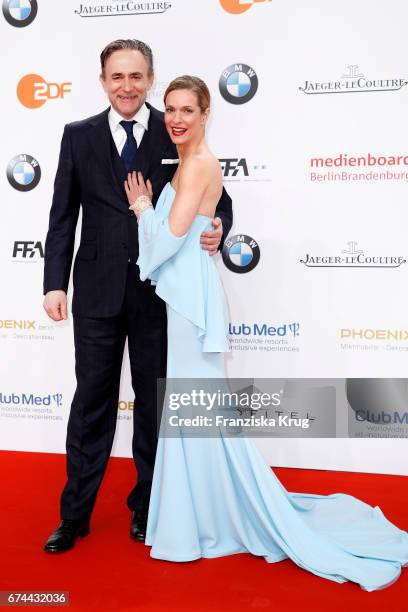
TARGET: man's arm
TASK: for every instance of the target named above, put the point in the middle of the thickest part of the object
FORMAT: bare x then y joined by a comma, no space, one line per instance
59,245
212,241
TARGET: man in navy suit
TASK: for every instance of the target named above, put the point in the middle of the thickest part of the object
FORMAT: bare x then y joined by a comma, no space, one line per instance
110,303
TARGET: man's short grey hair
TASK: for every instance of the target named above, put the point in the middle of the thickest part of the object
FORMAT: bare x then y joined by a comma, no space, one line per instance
128,43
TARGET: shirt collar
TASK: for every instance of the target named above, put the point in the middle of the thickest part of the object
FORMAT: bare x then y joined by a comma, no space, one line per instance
142,117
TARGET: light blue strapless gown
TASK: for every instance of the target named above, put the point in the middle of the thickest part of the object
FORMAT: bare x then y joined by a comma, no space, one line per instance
216,497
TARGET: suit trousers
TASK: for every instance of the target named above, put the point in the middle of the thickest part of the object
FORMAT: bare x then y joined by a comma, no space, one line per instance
99,346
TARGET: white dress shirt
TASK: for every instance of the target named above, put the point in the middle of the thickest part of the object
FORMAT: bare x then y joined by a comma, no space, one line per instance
118,132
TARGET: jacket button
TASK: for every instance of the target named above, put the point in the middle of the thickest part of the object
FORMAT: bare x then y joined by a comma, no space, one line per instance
131,213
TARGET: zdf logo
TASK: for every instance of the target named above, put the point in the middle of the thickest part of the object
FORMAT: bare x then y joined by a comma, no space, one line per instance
239,6
33,91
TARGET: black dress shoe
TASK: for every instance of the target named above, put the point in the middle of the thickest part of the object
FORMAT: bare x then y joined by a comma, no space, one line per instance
138,525
63,538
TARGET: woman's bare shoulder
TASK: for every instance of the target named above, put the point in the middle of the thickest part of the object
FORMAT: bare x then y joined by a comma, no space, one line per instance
204,163
201,166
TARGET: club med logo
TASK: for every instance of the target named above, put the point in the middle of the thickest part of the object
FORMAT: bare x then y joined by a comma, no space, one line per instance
104,8
33,91
264,329
382,401
238,83
28,251
352,257
23,172
352,81
382,417
20,13
25,399
366,168
264,337
241,253
236,7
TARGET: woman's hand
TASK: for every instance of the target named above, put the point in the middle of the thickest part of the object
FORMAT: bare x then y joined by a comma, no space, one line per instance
135,187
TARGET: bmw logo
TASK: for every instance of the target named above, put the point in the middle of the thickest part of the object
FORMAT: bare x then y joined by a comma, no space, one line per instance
20,13
241,253
23,172
238,83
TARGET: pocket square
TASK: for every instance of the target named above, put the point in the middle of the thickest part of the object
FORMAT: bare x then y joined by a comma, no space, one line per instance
169,161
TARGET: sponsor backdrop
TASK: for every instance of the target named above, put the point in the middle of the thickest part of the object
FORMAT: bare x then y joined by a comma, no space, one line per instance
309,122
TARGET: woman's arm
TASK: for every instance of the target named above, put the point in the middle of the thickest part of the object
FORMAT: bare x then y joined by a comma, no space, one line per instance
193,181
161,237
213,240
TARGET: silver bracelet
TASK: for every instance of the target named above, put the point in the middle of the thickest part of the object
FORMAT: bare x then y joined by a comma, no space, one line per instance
141,203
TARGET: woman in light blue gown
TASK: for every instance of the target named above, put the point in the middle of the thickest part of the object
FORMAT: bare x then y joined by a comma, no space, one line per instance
216,496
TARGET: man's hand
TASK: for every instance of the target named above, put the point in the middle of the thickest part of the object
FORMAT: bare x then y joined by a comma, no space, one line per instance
210,241
55,305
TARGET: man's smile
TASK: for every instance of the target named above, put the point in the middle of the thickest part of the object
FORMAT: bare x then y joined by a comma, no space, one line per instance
126,98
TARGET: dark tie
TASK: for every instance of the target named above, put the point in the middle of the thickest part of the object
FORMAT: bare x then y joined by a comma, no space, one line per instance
129,151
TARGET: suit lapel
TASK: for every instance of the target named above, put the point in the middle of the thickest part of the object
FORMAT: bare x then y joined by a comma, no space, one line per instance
102,145
151,150
118,167
142,160
143,152
156,143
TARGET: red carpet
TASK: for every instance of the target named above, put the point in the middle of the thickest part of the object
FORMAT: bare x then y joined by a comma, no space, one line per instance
109,572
